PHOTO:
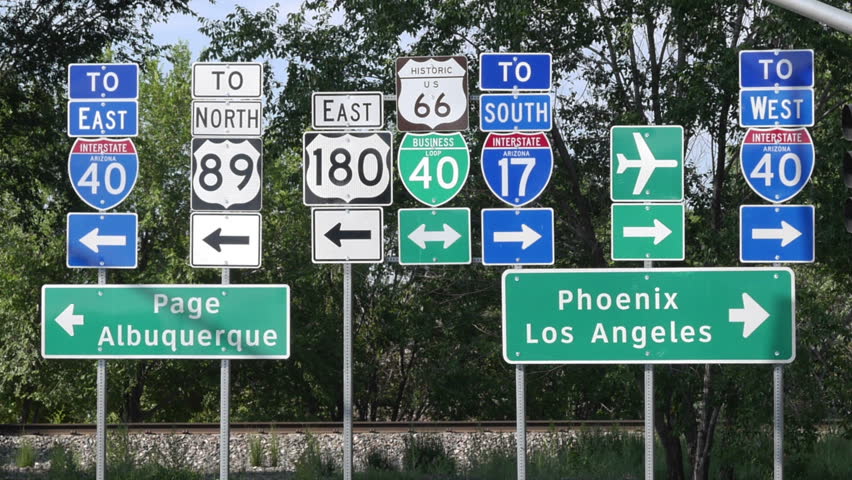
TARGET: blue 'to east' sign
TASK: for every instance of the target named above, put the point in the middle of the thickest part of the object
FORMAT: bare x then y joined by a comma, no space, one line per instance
97,81
103,171
517,166
777,163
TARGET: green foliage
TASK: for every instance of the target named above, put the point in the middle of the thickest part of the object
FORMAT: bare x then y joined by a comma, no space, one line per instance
26,454
63,465
378,460
274,449
425,453
313,463
121,457
255,451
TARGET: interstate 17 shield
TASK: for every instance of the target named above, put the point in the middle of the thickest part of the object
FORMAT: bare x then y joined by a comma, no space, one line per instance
103,171
517,166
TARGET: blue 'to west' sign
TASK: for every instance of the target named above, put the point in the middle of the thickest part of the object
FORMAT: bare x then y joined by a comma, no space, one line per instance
103,81
777,163
776,68
517,166
103,172
510,71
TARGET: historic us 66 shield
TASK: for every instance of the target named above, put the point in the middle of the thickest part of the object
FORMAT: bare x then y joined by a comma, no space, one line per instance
431,94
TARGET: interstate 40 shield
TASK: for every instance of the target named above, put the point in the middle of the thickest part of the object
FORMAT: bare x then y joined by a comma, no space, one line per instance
103,171
777,163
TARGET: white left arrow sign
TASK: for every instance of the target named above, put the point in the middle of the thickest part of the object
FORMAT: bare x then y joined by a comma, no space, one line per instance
93,241
658,232
787,233
67,320
447,235
752,315
527,236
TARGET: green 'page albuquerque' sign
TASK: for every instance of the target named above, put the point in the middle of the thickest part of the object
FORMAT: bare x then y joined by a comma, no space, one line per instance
165,321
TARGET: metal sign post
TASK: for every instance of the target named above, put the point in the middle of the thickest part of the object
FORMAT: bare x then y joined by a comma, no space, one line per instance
649,411
224,410
100,459
521,417
778,410
347,371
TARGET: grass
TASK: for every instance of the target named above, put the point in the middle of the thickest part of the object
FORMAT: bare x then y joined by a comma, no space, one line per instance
26,455
255,451
589,456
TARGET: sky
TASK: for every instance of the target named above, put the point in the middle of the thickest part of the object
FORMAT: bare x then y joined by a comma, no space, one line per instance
185,27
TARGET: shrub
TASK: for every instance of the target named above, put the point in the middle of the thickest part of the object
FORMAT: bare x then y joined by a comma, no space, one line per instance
312,464
426,454
378,461
26,455
274,449
255,451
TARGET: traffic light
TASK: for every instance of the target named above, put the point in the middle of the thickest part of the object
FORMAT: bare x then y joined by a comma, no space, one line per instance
847,165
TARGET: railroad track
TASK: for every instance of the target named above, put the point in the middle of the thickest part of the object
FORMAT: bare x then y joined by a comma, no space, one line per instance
321,427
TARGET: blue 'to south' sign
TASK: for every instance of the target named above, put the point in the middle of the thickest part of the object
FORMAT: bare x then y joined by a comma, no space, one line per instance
517,166
97,81
777,163
103,171
510,71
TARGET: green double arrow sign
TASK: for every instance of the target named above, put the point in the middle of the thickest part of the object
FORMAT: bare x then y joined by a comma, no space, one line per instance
698,315
434,236
165,321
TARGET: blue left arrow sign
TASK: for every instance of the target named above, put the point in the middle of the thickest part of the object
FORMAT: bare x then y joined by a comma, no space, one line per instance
777,233
102,240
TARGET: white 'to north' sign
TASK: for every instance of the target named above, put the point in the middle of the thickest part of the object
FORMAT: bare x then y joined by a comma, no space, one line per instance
227,173
344,110
227,118
227,80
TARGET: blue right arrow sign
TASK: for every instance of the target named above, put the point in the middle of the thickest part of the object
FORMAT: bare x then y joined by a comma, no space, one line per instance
777,233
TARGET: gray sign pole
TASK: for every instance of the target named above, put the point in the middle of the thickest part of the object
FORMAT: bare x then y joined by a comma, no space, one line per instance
649,412
521,417
347,371
100,434
778,415
778,408
224,406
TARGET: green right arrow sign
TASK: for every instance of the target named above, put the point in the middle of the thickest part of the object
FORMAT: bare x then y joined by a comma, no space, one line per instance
647,232
665,315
